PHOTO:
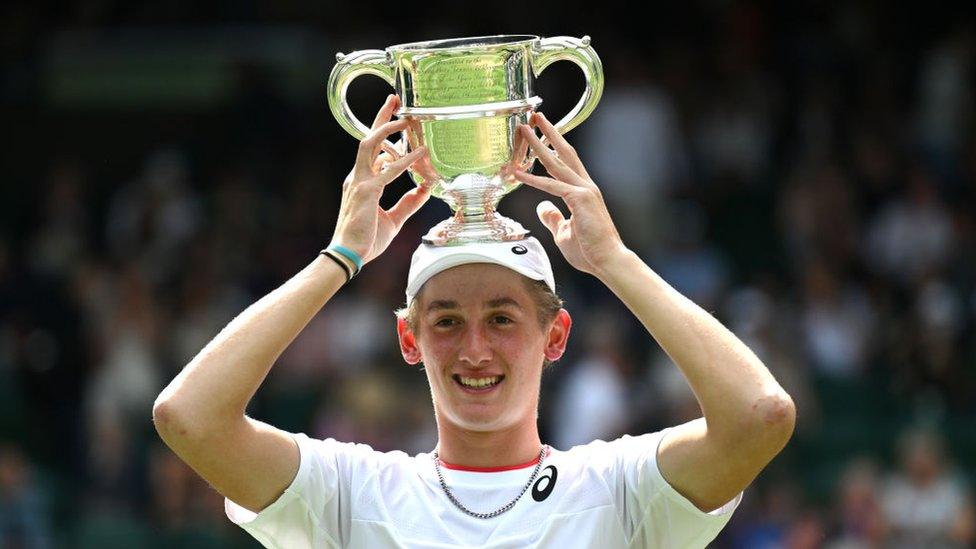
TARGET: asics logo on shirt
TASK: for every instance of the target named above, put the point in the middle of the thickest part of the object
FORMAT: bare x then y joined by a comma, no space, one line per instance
543,487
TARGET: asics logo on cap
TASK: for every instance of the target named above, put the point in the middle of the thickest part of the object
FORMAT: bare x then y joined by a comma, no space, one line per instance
520,250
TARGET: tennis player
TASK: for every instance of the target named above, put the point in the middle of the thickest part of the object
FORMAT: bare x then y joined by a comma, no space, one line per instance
484,320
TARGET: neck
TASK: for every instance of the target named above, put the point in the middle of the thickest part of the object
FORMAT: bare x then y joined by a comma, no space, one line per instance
516,445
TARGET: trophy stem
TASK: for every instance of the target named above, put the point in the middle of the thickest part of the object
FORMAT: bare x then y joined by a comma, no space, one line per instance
474,200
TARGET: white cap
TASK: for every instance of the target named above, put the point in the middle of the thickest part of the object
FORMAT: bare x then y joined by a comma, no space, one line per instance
526,257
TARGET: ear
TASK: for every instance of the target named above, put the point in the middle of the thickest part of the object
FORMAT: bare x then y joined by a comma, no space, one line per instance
558,335
408,343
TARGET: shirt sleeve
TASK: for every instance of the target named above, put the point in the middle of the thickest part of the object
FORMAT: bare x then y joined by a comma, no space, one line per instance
314,511
653,513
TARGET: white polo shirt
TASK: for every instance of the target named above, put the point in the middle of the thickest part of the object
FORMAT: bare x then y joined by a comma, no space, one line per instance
601,494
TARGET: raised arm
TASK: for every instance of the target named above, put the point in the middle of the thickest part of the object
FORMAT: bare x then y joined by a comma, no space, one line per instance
748,417
200,414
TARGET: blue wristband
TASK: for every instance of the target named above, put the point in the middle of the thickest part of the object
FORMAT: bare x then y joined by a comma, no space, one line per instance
348,254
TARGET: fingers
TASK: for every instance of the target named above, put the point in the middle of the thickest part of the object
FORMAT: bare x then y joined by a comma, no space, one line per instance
566,151
391,149
408,205
382,161
374,140
521,149
382,117
547,184
394,169
386,111
550,216
552,163
370,145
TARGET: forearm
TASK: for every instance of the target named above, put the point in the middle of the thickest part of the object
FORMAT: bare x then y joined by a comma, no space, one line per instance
217,384
734,388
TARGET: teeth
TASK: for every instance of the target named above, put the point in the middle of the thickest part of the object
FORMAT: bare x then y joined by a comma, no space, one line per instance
479,382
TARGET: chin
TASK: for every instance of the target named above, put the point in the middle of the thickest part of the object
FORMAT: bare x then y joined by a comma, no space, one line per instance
478,422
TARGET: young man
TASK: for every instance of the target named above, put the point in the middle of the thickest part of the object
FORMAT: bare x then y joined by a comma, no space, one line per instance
484,320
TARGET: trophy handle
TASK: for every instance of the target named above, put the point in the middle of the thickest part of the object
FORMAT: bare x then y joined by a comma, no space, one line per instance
579,51
347,68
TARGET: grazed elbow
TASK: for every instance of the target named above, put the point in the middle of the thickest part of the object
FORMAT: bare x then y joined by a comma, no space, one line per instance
166,419
774,416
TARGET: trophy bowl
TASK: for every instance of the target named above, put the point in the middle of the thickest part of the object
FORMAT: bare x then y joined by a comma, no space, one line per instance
464,99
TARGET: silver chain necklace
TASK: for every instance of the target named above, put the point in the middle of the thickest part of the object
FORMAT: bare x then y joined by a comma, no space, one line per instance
450,495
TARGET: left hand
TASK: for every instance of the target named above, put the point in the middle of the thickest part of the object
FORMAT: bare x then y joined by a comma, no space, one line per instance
362,225
588,239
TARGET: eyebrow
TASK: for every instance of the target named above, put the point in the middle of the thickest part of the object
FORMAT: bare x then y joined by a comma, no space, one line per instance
442,304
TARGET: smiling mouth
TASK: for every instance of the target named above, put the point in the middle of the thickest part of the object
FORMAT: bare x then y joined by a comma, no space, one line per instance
476,388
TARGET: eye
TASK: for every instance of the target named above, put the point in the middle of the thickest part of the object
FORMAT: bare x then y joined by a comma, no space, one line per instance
445,322
501,319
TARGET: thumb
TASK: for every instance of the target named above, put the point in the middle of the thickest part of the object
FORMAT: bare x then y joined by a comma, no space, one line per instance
550,216
408,205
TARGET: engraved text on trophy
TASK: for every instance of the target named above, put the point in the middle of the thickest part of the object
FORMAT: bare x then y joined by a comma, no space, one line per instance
449,81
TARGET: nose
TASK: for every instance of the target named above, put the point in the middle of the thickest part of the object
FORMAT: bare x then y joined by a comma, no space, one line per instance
475,346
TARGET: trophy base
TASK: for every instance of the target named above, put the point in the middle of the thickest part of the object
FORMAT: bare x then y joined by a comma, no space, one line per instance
492,228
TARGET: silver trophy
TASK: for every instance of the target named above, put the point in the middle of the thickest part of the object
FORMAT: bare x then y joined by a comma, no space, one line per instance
464,99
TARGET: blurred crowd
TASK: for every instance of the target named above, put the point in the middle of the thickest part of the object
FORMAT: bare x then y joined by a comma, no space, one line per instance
809,180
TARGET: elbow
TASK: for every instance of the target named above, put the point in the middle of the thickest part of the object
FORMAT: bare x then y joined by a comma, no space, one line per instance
774,417
181,424
173,422
166,419
165,411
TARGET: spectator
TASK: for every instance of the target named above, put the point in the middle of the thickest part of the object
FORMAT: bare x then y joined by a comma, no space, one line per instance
634,144
24,510
859,521
912,235
925,503
838,323
594,400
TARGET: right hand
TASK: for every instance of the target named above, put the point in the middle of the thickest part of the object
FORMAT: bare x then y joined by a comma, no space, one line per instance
363,226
